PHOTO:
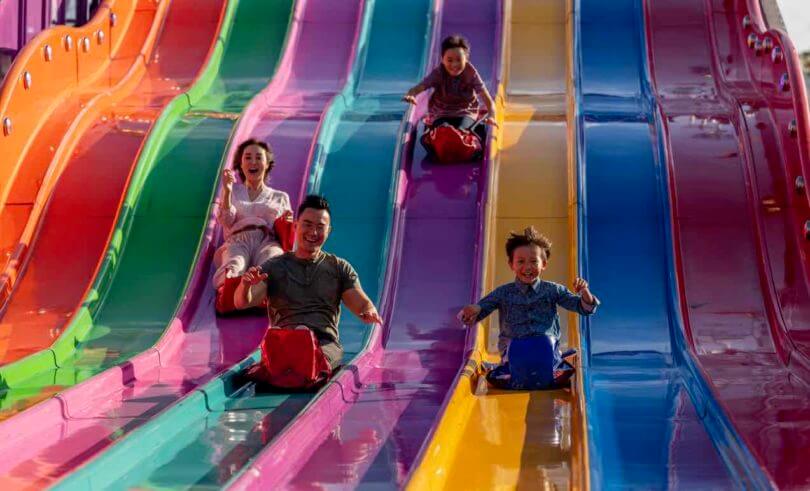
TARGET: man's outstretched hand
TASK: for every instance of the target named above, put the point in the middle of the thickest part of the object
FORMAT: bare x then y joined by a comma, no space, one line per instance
253,276
371,316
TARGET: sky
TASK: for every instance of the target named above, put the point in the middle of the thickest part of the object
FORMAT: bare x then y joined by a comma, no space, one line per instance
796,14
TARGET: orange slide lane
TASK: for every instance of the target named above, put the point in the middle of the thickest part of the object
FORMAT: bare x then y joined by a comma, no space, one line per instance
48,88
67,181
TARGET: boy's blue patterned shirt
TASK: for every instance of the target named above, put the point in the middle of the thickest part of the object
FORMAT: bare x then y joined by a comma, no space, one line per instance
530,310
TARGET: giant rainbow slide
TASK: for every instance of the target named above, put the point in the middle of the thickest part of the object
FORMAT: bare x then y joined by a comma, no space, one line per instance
662,145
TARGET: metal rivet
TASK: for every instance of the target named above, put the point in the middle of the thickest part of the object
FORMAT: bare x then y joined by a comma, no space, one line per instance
793,128
767,44
752,40
27,80
758,47
777,55
799,184
86,45
807,230
113,19
746,22
784,82
100,37
68,43
6,126
47,52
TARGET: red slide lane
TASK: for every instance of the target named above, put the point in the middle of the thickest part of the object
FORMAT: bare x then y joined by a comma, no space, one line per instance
732,159
74,229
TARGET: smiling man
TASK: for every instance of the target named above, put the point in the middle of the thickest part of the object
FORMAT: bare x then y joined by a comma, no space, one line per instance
305,287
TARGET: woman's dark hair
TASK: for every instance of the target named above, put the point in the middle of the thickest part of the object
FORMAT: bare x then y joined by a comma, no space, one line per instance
314,201
530,236
455,41
237,157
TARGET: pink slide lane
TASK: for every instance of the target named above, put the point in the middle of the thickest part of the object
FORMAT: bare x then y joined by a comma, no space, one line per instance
76,425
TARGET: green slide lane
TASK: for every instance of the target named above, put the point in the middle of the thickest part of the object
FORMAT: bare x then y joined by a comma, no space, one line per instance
164,215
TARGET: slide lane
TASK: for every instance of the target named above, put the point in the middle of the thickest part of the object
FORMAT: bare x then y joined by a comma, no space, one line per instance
199,346
651,420
738,217
54,91
143,279
503,438
367,119
75,220
367,426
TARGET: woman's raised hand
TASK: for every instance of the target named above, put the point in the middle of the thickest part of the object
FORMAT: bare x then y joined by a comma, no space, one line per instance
409,99
228,178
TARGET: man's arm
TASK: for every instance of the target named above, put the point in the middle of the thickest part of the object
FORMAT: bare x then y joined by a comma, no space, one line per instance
358,302
252,290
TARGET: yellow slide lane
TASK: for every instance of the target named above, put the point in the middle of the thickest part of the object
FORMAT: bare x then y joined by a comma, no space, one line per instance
521,439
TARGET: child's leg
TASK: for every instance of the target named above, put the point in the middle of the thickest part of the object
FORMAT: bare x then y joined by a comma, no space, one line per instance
570,356
465,123
454,121
500,376
565,369
481,132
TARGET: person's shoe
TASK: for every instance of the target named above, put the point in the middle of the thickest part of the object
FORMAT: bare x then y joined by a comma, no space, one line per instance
225,293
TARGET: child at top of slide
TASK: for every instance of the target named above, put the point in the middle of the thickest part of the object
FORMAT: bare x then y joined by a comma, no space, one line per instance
456,87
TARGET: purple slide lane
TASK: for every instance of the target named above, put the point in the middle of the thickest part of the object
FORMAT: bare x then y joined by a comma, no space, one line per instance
82,421
369,424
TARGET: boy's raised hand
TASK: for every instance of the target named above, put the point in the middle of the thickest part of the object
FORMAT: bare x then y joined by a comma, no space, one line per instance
468,314
491,122
581,286
253,276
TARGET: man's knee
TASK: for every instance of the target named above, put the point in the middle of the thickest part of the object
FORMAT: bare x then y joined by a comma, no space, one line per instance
333,353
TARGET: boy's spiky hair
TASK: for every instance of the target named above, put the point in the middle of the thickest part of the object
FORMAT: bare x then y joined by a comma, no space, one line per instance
530,236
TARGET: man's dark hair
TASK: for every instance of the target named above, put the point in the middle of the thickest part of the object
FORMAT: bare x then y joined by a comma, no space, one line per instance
455,41
530,236
316,202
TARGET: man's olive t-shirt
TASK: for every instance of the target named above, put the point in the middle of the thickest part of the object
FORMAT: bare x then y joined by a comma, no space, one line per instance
308,292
